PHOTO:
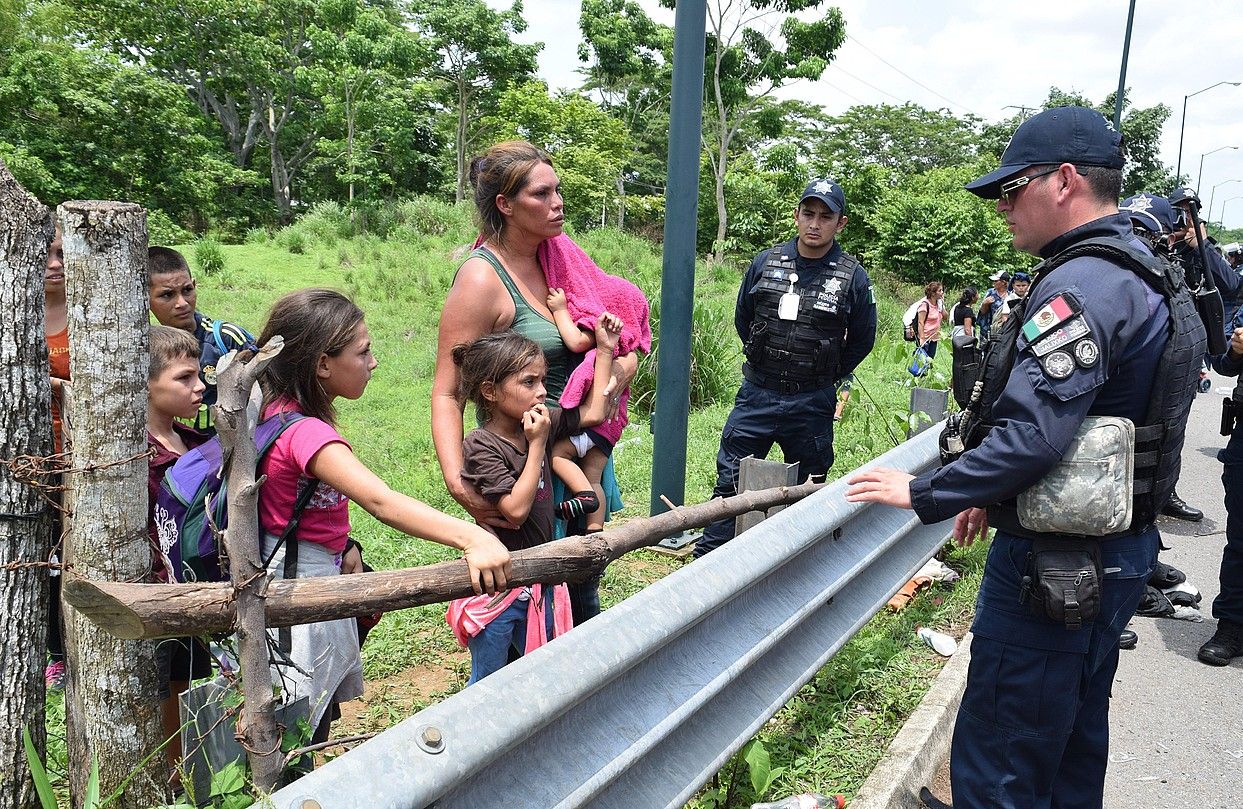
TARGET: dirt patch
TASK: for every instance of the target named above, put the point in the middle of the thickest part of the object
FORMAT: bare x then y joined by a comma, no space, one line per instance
389,700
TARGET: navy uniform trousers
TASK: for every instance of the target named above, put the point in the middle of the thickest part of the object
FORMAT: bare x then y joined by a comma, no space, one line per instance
800,423
1042,743
1228,606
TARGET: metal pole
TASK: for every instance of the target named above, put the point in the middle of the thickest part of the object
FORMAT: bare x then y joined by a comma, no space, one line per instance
677,278
1126,51
1178,172
1200,176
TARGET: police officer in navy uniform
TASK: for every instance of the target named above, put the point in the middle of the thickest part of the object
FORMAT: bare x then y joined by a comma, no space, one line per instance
1227,640
807,318
1156,221
1093,338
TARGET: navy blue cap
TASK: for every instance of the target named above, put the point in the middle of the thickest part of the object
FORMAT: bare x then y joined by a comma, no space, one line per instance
1022,276
828,192
1185,195
1076,135
1151,212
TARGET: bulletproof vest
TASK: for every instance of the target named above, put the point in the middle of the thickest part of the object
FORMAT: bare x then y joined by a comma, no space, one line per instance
1159,439
808,348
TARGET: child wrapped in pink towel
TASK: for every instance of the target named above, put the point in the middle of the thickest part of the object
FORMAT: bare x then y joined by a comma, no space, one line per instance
578,293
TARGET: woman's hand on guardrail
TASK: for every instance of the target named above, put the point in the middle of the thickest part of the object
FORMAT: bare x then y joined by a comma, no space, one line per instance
880,485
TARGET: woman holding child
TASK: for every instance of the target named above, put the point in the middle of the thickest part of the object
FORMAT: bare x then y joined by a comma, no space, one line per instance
505,285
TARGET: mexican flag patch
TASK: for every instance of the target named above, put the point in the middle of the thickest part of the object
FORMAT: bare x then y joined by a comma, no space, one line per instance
1056,311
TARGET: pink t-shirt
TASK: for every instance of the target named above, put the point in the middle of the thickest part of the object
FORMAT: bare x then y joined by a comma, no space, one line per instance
326,519
932,319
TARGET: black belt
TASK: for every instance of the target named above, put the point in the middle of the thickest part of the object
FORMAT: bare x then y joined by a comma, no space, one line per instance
784,385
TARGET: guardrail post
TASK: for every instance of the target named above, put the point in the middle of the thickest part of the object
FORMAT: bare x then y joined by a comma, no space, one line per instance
758,473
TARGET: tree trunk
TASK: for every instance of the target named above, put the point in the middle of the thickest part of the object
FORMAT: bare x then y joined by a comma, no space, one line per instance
112,711
462,121
25,429
164,610
256,726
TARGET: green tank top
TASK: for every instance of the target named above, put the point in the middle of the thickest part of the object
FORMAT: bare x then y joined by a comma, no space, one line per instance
534,326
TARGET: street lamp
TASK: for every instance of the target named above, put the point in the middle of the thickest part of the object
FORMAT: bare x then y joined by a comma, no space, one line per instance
1178,172
1210,196
1200,176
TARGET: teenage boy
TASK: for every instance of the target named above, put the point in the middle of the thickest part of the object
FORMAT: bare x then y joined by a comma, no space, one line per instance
172,295
174,391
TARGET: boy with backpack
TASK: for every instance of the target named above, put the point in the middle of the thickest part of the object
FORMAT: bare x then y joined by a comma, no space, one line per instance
172,295
174,391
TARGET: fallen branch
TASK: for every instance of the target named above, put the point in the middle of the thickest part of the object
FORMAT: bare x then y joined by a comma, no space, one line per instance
173,610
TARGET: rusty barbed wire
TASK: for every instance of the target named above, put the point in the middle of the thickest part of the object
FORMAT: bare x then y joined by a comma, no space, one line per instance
43,473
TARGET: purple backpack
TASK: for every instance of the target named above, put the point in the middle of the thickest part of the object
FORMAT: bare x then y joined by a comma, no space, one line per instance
196,485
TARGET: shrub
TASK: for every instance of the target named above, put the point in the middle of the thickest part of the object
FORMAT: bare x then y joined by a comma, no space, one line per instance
258,236
209,256
295,241
161,229
716,363
428,216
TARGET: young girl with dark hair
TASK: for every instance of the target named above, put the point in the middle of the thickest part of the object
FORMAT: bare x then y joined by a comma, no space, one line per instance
509,460
326,356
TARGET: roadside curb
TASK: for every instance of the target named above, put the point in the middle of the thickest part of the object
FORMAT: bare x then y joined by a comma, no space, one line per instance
921,745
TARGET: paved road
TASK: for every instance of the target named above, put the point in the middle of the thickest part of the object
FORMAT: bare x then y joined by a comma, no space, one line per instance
1177,724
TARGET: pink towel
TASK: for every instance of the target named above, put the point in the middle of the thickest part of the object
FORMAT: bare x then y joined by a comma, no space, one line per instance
468,616
589,291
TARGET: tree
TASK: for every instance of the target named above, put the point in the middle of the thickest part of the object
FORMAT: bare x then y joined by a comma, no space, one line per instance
356,75
905,139
744,66
1141,127
25,429
75,123
929,228
629,61
480,62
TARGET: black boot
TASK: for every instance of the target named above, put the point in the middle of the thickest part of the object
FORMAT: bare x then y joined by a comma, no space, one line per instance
1128,639
1179,510
1225,645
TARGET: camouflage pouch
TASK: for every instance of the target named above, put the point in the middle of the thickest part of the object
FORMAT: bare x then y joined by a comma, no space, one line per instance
1063,580
1090,493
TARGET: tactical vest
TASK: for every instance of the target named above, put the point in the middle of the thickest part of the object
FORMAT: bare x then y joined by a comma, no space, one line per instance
803,353
1159,439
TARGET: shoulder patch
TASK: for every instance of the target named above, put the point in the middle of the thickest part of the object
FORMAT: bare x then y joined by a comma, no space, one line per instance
1059,309
1066,333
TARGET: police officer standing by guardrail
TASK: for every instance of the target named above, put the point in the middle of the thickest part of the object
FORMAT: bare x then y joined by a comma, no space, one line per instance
1094,372
807,317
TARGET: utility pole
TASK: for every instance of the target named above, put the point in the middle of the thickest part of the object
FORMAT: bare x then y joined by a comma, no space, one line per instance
1126,52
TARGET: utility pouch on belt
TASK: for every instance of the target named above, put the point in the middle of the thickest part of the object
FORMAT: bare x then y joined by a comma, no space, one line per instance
1090,493
1063,580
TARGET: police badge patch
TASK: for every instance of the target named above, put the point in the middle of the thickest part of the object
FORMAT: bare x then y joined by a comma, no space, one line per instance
1058,365
1087,352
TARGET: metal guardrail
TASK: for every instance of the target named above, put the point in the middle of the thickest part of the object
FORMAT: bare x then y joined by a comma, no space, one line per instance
641,705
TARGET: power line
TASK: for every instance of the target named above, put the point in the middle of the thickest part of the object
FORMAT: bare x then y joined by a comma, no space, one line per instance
910,77
867,84
855,99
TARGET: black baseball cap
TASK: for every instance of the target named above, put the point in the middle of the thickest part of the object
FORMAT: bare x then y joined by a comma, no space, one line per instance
1076,135
828,192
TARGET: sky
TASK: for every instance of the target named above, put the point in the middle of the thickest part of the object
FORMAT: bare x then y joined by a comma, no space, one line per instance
988,57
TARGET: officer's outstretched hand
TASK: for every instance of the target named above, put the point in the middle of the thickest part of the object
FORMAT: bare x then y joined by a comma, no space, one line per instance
1236,343
880,485
969,525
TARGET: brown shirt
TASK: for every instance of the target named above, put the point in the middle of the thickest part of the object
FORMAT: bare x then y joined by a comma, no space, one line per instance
492,464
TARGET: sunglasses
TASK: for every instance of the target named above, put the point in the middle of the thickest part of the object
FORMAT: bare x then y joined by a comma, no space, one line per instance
1011,186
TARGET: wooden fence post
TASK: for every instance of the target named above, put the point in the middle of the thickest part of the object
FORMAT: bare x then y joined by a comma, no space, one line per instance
256,728
25,429
111,705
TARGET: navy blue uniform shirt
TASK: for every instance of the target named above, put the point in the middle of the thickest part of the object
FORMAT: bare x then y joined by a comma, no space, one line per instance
860,321
1037,415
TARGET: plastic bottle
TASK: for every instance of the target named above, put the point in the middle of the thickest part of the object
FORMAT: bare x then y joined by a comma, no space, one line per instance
941,643
808,800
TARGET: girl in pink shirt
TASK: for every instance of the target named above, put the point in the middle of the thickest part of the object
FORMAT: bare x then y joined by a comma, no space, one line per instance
327,354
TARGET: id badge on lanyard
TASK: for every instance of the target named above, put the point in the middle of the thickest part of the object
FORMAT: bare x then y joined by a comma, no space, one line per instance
787,307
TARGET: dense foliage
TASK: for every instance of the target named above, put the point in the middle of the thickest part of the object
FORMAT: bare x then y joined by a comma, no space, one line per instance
223,116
